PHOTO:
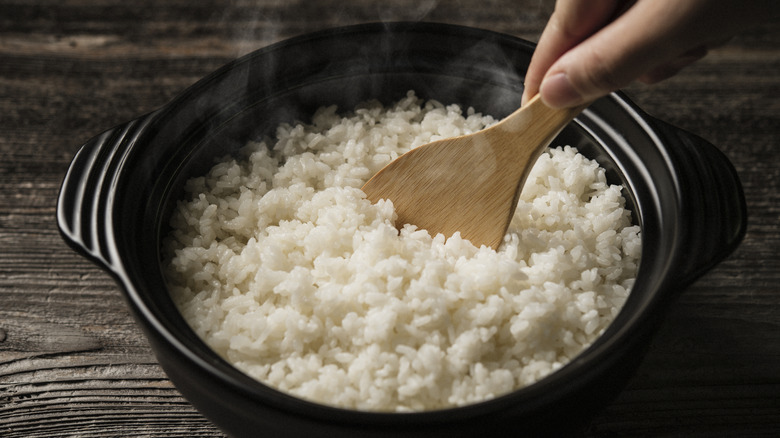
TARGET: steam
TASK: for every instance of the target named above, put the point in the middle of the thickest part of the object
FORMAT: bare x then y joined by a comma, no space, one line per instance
389,11
250,25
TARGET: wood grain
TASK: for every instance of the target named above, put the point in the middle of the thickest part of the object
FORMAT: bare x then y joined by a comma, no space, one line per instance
73,362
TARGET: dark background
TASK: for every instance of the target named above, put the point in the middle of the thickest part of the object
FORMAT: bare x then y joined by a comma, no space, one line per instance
72,361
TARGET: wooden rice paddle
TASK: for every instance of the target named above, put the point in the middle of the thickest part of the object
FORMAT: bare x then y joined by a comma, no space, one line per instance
470,183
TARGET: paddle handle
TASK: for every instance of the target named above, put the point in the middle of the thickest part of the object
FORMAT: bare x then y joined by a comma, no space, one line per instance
535,126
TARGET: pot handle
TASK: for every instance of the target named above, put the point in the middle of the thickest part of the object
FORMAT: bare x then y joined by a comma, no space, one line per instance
85,202
712,203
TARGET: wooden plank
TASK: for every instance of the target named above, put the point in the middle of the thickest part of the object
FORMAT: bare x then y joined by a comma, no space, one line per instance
74,363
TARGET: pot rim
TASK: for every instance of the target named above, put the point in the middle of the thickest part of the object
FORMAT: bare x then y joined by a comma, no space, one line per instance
530,395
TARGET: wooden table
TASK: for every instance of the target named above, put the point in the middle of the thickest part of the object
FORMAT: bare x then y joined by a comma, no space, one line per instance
73,362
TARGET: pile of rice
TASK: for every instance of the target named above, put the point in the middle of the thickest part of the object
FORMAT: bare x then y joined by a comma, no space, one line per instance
283,267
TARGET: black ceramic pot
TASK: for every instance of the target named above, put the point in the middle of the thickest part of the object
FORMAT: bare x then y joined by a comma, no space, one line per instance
117,196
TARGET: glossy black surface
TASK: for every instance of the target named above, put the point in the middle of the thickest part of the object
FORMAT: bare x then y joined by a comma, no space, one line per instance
117,196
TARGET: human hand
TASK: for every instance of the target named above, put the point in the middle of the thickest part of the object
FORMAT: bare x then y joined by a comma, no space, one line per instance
590,48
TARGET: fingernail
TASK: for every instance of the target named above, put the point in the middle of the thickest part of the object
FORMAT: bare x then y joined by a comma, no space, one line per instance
557,92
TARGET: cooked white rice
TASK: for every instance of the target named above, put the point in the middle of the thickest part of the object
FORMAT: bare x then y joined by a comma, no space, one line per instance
283,267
